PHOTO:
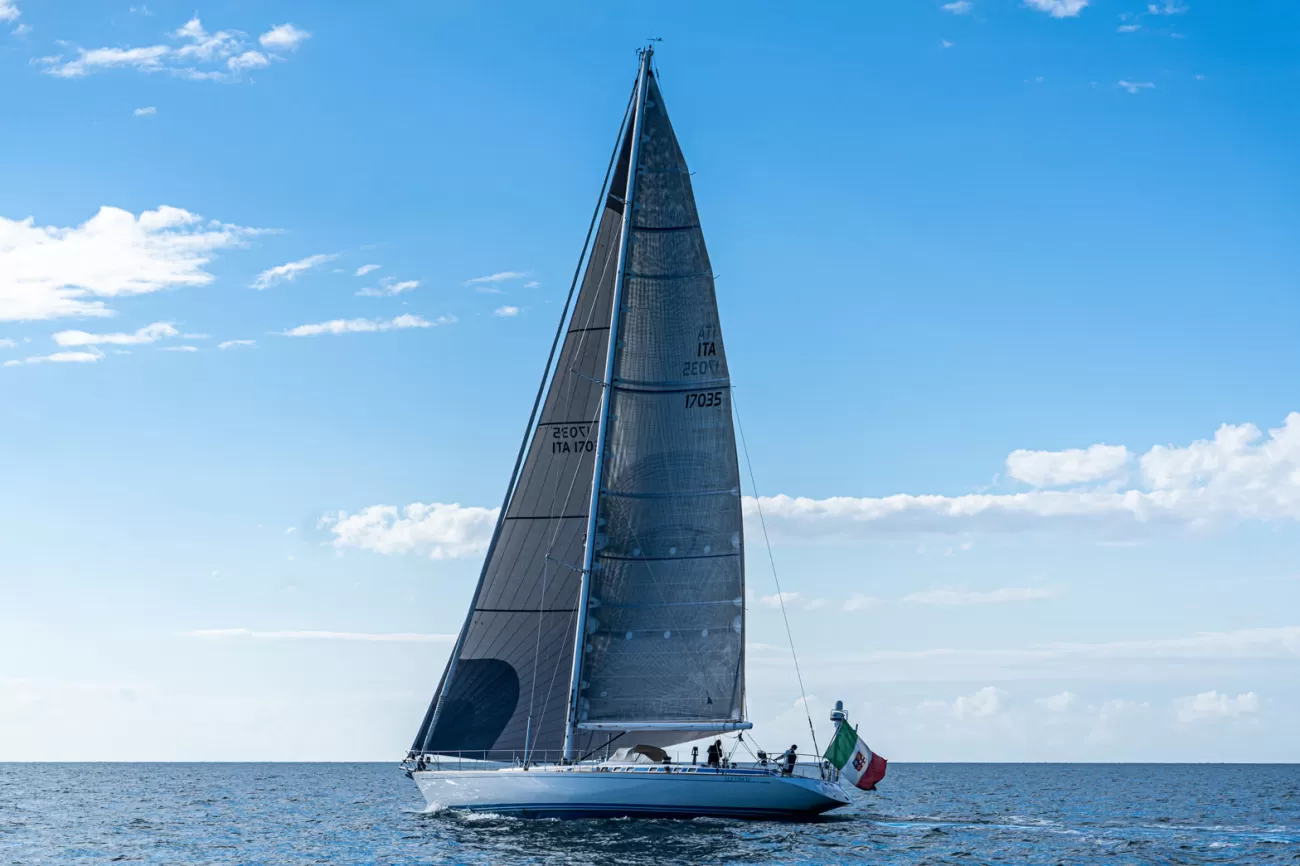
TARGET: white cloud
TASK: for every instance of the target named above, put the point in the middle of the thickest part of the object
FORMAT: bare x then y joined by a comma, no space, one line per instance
9,10
532,284
283,37
1239,475
1072,466
8,344
247,60
148,111
1059,703
438,530
365,269
289,271
375,637
180,348
87,356
861,602
1212,705
986,702
814,604
1242,474
194,54
506,311
776,599
1129,28
148,334
47,272
231,344
1167,7
497,278
1058,8
967,597
958,7
1135,86
359,326
389,288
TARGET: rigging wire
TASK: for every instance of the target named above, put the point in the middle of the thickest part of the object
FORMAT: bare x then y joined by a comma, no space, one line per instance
780,596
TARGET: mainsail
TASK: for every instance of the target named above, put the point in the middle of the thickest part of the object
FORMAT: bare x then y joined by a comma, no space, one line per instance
663,635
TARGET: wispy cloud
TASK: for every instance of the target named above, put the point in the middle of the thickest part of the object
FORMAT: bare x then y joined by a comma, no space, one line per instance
438,530
289,271
51,272
87,356
958,7
365,269
1212,705
8,344
1006,595
283,37
506,311
1129,28
532,284
1167,7
370,637
861,602
1058,8
775,600
194,53
389,288
1072,466
179,349
148,334
232,344
1135,86
362,326
9,11
497,278
148,111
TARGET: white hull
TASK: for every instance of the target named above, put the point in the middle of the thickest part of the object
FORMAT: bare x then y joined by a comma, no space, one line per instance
585,792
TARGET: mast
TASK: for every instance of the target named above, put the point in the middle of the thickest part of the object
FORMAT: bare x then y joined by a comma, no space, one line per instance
589,551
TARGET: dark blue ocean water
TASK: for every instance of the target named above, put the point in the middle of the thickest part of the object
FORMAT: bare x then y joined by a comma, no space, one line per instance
924,813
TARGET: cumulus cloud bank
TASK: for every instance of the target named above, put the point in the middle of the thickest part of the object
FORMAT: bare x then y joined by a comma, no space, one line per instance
1240,474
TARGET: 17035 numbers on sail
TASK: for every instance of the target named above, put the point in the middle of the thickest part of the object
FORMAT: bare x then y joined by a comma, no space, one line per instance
703,399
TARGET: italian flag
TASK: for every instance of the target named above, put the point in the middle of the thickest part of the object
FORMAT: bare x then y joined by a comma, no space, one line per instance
855,761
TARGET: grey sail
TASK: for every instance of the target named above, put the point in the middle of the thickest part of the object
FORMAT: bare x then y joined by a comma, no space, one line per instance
512,661
665,632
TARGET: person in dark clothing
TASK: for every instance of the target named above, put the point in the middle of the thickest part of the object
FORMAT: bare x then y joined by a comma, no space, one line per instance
788,761
715,754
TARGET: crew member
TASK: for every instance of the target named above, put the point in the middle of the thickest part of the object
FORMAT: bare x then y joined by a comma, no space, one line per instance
715,754
788,760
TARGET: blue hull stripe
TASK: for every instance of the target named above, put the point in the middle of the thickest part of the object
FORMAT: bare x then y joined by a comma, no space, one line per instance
608,810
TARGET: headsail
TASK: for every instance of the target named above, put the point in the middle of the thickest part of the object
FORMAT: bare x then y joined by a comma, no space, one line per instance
512,658
665,631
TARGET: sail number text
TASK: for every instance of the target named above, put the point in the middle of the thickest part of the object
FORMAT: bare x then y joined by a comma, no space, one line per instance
572,439
703,399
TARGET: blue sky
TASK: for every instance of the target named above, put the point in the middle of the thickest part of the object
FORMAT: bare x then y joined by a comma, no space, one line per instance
994,278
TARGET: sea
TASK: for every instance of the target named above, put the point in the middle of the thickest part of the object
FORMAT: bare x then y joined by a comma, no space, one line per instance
347,814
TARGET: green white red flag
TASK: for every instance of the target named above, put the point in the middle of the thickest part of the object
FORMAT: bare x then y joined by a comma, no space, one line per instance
856,763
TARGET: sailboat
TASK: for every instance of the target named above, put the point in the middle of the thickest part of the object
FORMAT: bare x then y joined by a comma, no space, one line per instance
609,622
